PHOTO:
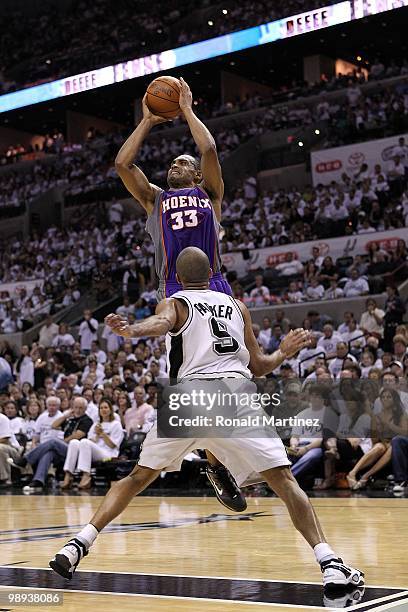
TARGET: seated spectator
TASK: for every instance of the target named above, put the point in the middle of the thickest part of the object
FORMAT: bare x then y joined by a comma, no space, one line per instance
276,338
306,441
356,285
399,347
293,295
333,292
103,442
352,441
141,417
336,364
315,290
372,319
354,337
9,450
290,267
44,433
16,421
63,338
264,337
328,272
260,294
328,342
390,421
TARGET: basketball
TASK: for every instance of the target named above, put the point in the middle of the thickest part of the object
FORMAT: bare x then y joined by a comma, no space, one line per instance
163,97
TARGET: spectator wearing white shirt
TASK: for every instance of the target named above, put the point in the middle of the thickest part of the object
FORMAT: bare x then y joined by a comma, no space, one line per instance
329,340
9,449
250,184
48,332
98,352
290,267
126,309
88,331
294,296
354,337
43,425
333,292
25,367
112,339
356,285
307,355
372,319
336,364
315,290
260,294
264,337
103,442
17,424
11,324
63,338
344,327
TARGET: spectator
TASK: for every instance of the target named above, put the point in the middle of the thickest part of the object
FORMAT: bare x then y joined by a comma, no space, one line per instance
63,338
328,342
328,272
25,367
264,337
355,286
9,449
399,455
133,282
394,312
372,319
103,442
260,294
290,267
315,291
88,332
276,338
48,332
141,417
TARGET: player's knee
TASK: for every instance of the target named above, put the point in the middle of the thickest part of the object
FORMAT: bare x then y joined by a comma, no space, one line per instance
280,479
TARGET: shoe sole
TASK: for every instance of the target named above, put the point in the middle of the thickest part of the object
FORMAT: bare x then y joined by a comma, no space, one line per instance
244,507
61,565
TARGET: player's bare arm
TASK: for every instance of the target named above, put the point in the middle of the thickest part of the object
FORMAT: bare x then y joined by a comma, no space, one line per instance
170,316
132,176
261,364
210,166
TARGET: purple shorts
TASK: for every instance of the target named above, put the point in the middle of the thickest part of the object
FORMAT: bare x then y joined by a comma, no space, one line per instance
217,283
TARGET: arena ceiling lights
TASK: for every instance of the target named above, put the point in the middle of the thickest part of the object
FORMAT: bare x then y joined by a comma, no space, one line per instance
281,29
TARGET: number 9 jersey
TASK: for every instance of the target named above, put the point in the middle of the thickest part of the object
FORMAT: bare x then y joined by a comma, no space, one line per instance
183,218
211,342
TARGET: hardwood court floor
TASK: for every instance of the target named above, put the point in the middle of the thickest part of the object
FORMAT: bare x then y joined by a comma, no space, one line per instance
169,554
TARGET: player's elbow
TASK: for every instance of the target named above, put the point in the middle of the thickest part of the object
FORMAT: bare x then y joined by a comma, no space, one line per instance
120,165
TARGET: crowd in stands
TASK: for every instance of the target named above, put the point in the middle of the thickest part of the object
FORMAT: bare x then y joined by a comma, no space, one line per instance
90,37
74,401
51,143
88,173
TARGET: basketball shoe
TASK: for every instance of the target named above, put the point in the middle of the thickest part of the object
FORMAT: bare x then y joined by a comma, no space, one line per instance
226,489
337,574
67,559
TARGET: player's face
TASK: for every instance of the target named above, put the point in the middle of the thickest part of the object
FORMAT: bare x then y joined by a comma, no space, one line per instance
182,173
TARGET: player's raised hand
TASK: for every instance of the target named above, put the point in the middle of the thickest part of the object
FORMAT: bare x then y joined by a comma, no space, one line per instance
118,325
147,114
186,97
294,341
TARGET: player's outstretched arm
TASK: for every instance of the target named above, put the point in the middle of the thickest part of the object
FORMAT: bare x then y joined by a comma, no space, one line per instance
261,364
133,178
210,166
170,315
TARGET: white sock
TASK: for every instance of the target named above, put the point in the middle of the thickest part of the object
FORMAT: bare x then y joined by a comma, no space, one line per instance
323,552
87,535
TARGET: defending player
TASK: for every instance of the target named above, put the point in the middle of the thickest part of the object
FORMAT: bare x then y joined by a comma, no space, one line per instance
194,310
187,214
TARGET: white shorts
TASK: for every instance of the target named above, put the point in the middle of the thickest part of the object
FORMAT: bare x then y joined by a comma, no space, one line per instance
244,457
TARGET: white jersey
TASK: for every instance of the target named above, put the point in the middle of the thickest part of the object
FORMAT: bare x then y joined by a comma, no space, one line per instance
211,342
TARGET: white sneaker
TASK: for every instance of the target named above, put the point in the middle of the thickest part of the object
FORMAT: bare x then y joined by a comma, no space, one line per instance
337,574
400,487
67,559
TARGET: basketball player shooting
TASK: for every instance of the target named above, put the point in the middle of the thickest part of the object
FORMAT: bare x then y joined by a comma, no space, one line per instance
193,312
187,214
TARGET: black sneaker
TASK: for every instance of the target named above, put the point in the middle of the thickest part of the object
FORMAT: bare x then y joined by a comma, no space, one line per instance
33,487
67,559
19,463
226,489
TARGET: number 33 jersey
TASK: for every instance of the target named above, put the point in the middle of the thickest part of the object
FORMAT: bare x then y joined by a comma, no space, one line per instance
211,342
182,218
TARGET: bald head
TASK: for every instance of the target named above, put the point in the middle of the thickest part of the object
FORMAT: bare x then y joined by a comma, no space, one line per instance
193,266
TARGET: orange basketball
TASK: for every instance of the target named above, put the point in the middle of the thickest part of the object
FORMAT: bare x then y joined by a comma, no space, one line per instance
163,97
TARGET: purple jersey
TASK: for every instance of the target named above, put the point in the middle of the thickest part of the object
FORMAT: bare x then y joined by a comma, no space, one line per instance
183,218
